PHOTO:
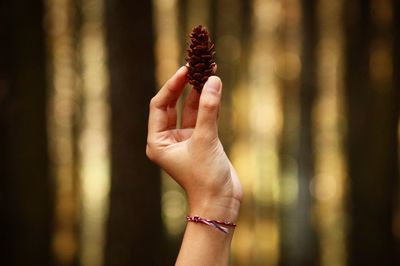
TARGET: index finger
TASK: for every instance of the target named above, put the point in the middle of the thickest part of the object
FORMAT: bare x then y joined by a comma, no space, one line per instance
166,97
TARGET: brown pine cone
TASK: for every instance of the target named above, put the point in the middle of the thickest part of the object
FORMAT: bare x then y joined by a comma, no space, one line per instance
200,58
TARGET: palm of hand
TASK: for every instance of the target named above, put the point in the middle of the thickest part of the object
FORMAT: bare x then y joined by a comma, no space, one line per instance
199,166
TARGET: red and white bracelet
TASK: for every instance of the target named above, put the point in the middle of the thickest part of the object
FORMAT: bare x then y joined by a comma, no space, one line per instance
220,225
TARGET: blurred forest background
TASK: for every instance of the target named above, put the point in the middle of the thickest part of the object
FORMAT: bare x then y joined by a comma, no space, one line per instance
310,119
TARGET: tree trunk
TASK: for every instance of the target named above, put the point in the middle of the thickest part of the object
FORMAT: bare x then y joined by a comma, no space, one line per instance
299,244
288,145
372,147
134,233
25,187
396,95
303,249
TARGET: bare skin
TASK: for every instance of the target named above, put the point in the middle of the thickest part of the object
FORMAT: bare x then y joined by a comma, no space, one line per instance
194,157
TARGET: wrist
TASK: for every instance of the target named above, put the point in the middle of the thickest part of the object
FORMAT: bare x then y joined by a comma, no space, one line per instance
204,243
222,208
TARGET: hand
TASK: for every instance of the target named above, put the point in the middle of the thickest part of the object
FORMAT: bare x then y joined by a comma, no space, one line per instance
193,154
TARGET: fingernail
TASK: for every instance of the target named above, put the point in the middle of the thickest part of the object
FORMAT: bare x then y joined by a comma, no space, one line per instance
182,68
213,84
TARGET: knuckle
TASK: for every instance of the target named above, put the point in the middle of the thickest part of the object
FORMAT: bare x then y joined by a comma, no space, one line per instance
153,102
209,103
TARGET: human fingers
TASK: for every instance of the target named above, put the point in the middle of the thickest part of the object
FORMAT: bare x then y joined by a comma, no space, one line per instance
207,124
190,108
162,106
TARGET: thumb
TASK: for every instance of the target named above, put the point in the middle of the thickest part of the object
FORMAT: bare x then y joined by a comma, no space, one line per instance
207,116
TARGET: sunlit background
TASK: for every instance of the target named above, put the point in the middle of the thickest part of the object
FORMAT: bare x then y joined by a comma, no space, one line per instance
292,123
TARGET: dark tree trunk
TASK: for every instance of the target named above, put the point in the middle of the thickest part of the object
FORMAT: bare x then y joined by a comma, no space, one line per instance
25,189
246,7
372,117
134,233
304,243
182,28
288,143
396,95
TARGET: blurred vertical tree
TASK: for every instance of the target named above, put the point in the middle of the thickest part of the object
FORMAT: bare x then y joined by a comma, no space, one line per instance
134,233
306,247
372,147
288,149
182,25
298,237
25,190
396,87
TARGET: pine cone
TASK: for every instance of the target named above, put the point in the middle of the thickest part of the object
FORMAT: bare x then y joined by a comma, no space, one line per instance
200,58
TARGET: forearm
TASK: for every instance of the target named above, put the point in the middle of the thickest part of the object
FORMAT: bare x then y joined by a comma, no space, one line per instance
206,245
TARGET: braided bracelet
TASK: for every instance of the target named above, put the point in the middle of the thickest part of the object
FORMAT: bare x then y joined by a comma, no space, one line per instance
217,224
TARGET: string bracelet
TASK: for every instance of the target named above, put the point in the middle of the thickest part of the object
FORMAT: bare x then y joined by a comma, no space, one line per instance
220,225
